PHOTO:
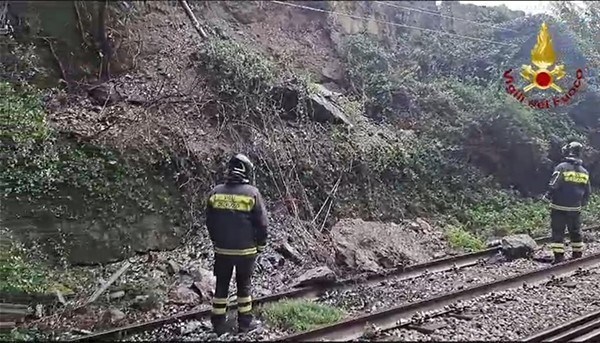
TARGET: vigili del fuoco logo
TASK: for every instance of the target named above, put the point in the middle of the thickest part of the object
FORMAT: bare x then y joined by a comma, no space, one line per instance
543,76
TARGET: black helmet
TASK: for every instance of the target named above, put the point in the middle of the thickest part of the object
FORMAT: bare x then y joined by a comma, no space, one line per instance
572,149
240,168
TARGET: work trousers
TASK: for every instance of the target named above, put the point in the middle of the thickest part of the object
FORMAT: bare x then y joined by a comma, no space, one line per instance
224,266
570,220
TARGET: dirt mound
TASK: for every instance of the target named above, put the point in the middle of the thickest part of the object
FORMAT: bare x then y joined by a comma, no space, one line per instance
371,246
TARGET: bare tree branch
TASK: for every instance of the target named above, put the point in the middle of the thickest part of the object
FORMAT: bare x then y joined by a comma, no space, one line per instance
193,19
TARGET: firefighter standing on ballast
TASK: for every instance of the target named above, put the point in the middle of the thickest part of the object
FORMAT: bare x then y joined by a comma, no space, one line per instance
569,191
236,219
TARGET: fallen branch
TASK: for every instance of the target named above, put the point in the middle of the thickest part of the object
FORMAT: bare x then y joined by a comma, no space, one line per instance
331,193
60,297
193,19
107,284
79,23
60,65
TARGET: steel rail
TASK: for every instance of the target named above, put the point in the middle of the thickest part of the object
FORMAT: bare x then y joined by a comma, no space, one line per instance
399,273
592,336
580,329
391,318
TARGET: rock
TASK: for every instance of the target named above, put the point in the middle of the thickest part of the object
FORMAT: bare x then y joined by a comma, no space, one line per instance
60,297
146,302
334,87
137,100
276,260
268,260
110,317
173,267
323,111
202,281
203,289
198,273
518,246
326,92
39,311
99,242
588,237
320,105
104,94
116,295
424,226
317,275
183,295
287,251
332,72
191,327
152,256
368,246
493,243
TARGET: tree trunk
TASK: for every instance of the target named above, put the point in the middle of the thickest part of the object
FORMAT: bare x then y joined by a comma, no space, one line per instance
103,42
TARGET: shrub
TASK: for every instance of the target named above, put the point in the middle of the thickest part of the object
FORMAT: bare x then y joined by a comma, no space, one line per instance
300,315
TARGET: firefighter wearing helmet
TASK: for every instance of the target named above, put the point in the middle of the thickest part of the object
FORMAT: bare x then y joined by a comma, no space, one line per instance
237,222
569,191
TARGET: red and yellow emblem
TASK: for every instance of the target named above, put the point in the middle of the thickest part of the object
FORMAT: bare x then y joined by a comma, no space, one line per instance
543,57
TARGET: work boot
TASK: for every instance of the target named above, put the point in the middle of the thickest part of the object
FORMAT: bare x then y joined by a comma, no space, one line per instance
246,323
577,254
218,322
558,258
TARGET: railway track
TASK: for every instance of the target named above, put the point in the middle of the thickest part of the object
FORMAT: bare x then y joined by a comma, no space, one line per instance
397,317
583,329
434,266
314,291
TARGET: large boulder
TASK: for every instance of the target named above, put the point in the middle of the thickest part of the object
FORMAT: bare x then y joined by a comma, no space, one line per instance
373,246
319,275
323,110
321,103
199,280
518,246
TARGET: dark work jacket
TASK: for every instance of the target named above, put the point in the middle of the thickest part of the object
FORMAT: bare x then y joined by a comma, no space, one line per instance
236,219
569,187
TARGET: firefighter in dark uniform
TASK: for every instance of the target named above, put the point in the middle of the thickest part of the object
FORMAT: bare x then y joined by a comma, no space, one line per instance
569,191
236,219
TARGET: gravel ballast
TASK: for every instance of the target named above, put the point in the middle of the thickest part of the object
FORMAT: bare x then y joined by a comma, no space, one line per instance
389,293
365,299
514,314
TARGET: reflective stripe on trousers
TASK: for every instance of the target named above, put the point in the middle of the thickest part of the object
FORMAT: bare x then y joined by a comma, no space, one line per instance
219,306
577,246
557,248
244,304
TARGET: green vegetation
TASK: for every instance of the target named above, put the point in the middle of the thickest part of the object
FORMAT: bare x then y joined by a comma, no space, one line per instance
22,335
22,272
243,73
299,315
69,180
504,215
18,273
463,134
459,238
440,140
591,214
